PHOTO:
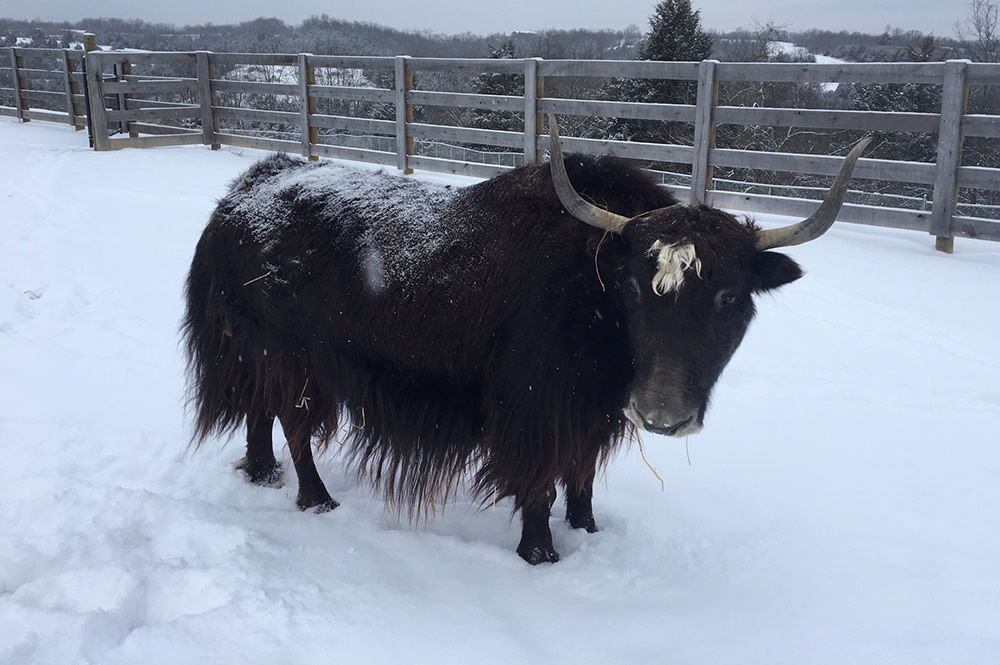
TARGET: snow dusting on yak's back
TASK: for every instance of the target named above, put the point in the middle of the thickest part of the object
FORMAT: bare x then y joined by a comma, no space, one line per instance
395,220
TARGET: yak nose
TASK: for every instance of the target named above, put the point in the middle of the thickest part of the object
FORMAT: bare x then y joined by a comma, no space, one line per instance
660,422
668,430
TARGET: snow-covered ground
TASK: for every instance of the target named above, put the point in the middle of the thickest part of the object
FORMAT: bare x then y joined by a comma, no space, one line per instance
841,506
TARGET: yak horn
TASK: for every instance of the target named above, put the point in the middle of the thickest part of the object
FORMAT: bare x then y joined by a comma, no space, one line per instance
573,202
817,224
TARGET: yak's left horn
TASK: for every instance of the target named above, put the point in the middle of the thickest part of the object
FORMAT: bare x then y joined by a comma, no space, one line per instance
573,202
817,224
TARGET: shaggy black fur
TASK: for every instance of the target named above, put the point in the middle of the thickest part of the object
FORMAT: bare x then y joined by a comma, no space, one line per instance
463,333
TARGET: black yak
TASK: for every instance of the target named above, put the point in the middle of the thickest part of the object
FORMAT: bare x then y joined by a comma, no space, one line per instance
512,332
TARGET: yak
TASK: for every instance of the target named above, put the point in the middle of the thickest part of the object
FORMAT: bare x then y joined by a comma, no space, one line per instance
508,335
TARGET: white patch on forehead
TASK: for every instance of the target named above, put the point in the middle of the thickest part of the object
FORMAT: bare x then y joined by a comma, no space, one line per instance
672,261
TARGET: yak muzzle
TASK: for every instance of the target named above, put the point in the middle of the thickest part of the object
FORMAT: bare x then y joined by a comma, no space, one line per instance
664,421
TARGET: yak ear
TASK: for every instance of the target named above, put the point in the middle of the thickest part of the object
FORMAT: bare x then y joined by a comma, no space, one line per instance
772,270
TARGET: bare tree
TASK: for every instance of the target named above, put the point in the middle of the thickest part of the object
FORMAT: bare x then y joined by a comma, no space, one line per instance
981,30
981,33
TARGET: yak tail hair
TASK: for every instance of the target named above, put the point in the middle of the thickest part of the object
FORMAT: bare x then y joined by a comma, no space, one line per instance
233,371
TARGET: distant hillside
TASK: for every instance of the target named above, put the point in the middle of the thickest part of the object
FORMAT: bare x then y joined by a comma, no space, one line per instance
321,35
861,47
326,35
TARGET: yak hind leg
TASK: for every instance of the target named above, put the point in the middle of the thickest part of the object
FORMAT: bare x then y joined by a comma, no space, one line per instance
259,464
536,537
312,492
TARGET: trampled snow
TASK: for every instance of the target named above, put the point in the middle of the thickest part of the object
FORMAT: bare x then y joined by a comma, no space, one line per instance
841,506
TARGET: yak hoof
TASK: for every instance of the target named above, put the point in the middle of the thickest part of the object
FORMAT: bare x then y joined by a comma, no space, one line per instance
266,476
586,523
323,506
536,555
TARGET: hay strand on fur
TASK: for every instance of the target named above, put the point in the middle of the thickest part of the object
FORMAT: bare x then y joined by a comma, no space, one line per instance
597,267
303,402
642,451
346,432
255,279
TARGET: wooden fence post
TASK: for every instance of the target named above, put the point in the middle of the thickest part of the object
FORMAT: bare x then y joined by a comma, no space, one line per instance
20,105
404,114
89,44
704,130
307,77
208,128
533,89
954,99
95,96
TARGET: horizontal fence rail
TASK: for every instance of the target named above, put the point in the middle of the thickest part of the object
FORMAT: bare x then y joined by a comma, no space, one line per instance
363,108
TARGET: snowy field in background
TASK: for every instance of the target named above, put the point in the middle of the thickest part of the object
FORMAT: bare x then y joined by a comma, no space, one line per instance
788,48
841,506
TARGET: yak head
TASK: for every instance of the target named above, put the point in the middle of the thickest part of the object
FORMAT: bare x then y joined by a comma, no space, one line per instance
689,280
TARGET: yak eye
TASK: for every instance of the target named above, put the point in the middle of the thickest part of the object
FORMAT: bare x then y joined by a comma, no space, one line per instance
726,296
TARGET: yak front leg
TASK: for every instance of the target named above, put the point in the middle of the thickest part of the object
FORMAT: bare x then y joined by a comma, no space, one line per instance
259,464
536,538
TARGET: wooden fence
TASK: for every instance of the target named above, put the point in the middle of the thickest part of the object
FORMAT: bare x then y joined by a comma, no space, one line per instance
44,84
177,99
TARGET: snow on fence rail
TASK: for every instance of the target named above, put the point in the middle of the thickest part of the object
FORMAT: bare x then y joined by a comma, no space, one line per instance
183,98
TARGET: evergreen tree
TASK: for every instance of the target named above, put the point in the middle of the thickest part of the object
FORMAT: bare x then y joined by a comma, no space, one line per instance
494,83
500,84
675,34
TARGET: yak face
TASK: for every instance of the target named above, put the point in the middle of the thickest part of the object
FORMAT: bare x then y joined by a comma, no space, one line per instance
689,281
690,278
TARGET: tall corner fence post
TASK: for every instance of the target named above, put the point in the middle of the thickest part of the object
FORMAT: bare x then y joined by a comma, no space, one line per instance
954,101
310,134
704,131
20,104
533,90
206,101
404,113
95,98
89,44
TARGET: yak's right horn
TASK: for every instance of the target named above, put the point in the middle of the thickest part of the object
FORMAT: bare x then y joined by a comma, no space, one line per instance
573,202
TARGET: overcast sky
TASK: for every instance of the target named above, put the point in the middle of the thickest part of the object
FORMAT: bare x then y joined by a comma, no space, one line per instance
454,16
